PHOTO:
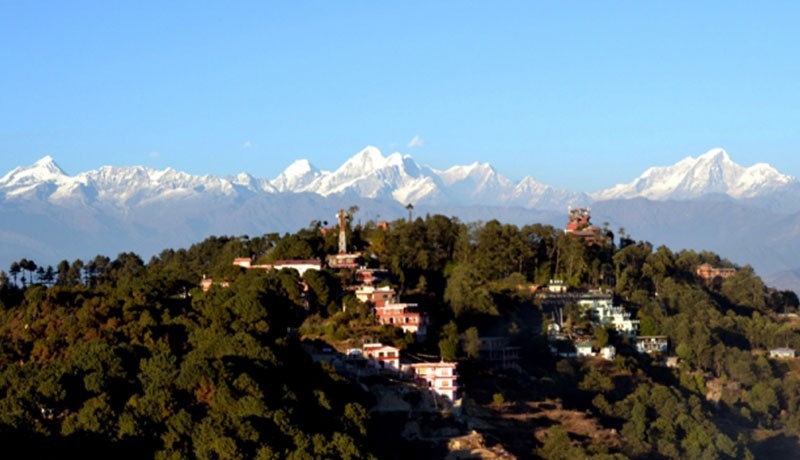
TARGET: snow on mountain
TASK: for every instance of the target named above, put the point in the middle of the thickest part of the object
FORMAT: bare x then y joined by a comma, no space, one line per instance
368,174
119,186
44,170
296,177
138,185
477,183
34,182
530,193
711,173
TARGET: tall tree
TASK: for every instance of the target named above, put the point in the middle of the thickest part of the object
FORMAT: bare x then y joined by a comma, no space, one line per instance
14,270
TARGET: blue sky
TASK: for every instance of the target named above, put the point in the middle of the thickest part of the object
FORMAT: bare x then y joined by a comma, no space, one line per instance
580,95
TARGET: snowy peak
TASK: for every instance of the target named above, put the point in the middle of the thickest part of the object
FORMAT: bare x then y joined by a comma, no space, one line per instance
711,173
296,177
717,154
49,165
44,170
364,162
35,182
299,168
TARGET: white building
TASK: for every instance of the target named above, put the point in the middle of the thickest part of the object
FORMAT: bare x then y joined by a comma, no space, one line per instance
604,312
300,265
382,356
584,350
440,377
608,352
782,353
652,344
557,287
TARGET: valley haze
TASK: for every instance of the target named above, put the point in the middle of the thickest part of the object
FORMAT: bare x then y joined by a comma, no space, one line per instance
750,215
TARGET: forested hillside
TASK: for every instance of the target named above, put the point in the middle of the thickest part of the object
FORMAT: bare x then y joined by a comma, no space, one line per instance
126,358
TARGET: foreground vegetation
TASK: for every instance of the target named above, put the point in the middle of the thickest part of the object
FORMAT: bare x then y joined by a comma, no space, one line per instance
126,358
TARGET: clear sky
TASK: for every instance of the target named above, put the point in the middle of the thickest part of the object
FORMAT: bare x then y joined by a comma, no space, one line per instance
579,95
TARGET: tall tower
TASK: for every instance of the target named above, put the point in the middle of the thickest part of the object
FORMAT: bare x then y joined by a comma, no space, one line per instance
342,232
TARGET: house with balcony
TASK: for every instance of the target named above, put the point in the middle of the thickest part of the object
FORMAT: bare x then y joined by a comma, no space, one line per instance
440,378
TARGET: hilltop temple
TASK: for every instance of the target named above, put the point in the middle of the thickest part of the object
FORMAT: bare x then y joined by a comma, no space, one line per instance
580,225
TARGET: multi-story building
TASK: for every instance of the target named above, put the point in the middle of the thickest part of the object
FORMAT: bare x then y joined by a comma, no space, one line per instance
604,312
441,377
379,297
404,315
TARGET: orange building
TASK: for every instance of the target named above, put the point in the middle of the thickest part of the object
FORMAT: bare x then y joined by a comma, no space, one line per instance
713,276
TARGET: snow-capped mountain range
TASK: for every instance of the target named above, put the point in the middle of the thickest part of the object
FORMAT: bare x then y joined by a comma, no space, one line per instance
368,174
748,214
396,177
711,173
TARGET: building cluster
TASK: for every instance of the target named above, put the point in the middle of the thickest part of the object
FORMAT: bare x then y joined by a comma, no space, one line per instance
439,377
599,307
596,306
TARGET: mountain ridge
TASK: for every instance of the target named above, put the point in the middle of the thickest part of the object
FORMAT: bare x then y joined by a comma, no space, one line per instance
711,173
370,174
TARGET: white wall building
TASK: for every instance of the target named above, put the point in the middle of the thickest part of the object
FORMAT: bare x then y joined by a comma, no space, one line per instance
604,312
441,377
